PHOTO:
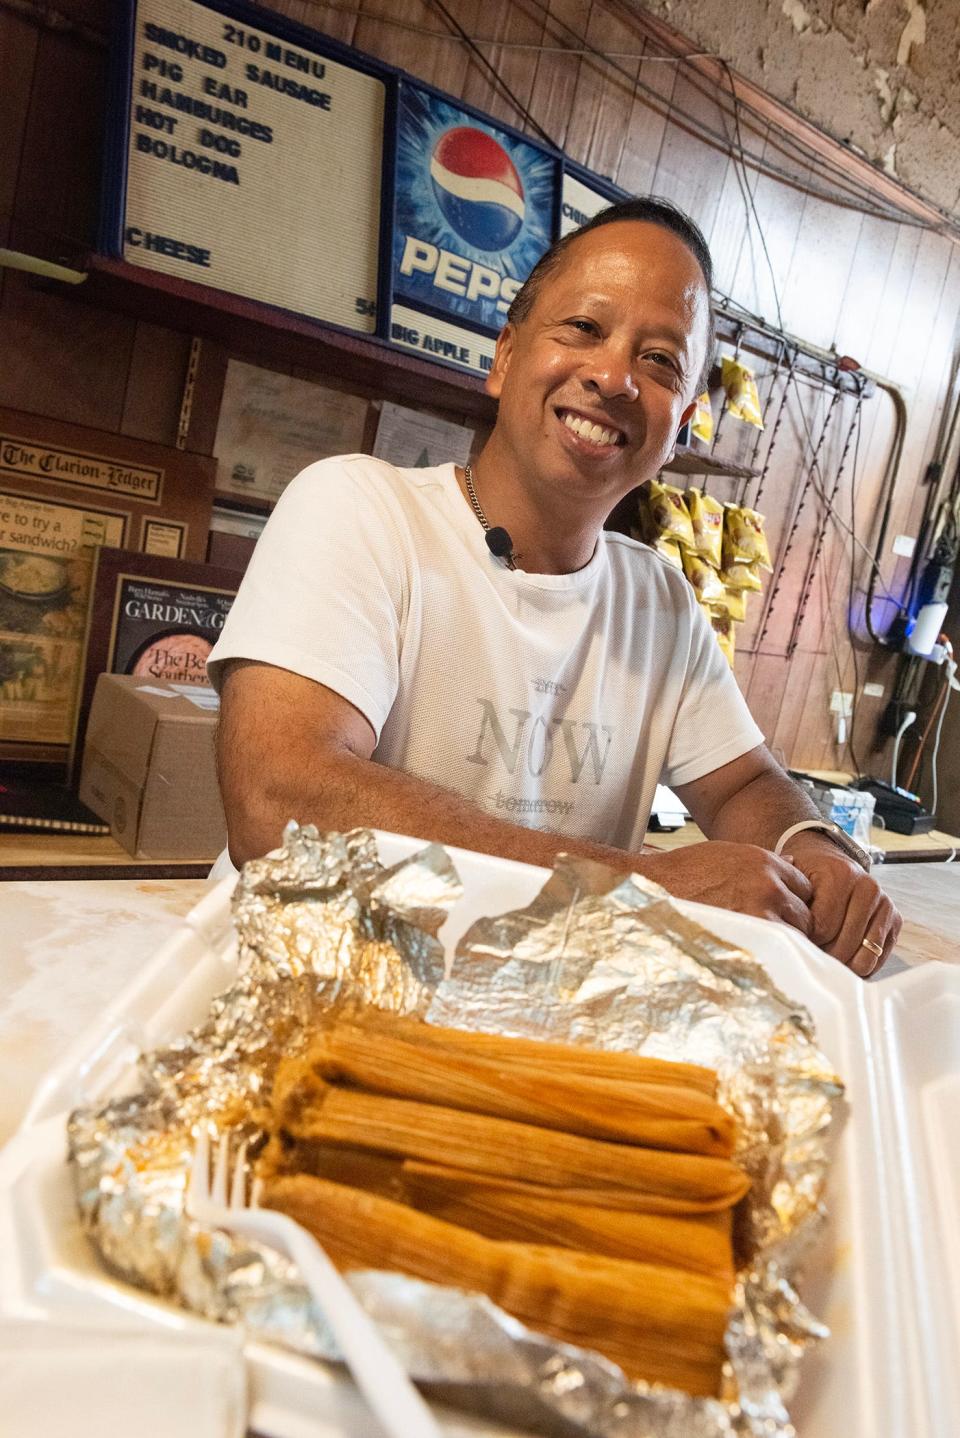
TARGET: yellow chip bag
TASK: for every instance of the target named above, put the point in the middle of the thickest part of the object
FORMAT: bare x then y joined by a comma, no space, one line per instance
706,516
741,576
702,423
668,512
669,549
706,581
744,539
734,603
723,628
743,401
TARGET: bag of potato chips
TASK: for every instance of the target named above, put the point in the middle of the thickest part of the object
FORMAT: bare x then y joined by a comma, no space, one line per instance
734,603
744,539
669,549
702,423
706,516
735,576
723,628
743,401
705,580
668,513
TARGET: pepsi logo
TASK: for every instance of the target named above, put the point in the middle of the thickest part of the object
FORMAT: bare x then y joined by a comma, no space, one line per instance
477,188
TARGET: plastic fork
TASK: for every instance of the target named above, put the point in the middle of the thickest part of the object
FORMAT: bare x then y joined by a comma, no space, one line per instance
378,1374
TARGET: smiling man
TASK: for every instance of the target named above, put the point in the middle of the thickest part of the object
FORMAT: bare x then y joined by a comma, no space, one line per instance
466,655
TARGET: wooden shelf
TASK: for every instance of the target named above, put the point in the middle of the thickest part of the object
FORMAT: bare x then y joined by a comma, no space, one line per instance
44,855
693,461
268,335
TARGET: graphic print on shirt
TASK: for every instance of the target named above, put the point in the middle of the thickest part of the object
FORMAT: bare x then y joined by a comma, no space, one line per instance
573,751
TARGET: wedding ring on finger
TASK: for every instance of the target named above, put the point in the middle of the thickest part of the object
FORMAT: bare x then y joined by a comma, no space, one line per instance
875,949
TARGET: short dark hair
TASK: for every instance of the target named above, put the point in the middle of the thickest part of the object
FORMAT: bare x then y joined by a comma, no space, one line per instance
647,209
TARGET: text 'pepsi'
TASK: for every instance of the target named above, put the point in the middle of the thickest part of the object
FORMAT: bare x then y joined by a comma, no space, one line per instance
456,275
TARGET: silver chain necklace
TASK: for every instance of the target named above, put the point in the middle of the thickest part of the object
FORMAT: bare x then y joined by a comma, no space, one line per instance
478,509
472,494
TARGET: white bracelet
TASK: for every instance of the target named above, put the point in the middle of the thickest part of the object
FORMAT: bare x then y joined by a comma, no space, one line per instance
788,834
833,831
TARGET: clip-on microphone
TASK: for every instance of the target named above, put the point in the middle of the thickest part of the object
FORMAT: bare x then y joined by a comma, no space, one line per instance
500,544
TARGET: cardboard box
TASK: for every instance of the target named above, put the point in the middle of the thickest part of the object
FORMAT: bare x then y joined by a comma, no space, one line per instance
149,768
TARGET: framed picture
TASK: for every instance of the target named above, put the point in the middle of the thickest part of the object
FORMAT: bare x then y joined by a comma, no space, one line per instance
151,616
163,537
272,425
47,555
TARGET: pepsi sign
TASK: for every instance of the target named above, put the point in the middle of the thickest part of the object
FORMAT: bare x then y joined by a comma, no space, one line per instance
474,213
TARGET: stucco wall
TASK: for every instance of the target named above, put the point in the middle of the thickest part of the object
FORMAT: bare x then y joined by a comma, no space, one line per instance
880,75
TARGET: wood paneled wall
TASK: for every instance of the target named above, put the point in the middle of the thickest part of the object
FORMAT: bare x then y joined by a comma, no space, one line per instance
886,293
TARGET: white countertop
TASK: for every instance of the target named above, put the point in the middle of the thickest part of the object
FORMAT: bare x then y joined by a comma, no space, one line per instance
65,949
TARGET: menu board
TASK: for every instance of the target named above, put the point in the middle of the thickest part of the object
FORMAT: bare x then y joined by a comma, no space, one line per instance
253,164
474,213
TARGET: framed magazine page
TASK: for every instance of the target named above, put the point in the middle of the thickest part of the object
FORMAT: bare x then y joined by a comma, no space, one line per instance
154,617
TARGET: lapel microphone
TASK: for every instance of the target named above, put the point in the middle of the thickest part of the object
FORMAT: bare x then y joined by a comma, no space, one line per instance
499,542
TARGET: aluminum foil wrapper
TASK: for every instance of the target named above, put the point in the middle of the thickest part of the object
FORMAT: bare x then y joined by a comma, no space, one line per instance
597,958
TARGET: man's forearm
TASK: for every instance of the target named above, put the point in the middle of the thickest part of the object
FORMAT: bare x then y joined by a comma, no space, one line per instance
346,792
761,811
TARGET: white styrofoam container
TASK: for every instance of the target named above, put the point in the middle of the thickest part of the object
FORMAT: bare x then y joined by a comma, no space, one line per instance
886,1279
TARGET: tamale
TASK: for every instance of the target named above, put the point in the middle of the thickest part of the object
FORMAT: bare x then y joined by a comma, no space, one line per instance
620,1223
549,1058
316,1112
657,1323
700,1244
388,1176
656,1115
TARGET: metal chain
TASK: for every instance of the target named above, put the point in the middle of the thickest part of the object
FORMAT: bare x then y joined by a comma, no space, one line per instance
472,495
189,387
827,503
781,412
782,557
738,342
776,424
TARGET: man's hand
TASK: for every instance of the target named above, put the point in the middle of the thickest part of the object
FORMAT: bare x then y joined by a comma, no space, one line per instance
752,798
848,906
735,876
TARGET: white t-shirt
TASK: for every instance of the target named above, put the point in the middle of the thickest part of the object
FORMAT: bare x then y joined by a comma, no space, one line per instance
557,701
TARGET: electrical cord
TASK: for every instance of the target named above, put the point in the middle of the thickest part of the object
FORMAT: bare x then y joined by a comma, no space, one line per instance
890,484
494,74
935,797
507,44
788,145
858,770
816,481
747,192
837,520
695,123
937,707
815,476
